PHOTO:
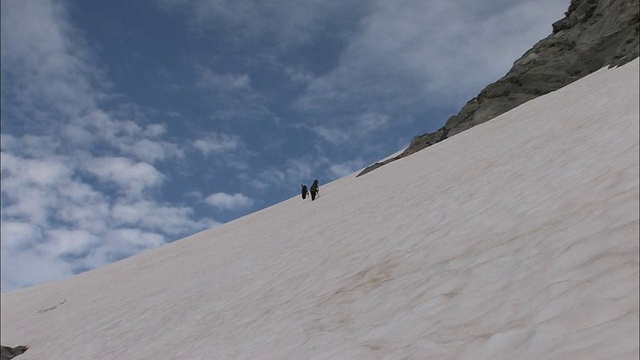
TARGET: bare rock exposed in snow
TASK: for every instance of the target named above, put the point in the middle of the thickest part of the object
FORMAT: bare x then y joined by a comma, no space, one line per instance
593,34
8,353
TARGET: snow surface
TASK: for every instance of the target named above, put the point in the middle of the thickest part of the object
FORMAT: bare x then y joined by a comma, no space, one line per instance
517,239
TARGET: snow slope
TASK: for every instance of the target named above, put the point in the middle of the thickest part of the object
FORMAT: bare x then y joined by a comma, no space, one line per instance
517,239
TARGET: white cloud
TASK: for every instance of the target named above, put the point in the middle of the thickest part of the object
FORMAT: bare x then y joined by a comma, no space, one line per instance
295,171
17,235
222,82
121,243
56,218
120,240
298,75
7,141
172,220
54,74
332,135
346,168
70,242
223,201
81,206
284,22
155,130
123,136
78,135
412,54
55,223
152,151
265,179
217,143
20,268
35,171
29,187
371,122
131,177
301,168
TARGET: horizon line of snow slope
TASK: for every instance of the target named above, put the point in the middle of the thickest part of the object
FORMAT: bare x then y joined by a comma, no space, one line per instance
517,239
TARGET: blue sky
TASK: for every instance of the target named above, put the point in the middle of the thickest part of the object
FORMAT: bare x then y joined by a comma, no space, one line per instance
130,124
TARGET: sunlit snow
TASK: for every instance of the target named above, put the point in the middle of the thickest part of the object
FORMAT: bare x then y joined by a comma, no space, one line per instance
517,239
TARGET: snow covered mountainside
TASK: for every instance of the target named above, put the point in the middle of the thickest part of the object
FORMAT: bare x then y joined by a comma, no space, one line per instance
519,240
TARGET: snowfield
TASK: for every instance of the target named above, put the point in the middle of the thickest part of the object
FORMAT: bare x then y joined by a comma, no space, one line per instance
517,239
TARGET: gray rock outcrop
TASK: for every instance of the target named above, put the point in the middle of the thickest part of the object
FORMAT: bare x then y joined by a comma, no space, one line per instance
593,34
8,353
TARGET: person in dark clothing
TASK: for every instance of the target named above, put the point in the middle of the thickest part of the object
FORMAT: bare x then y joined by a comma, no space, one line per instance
315,190
305,191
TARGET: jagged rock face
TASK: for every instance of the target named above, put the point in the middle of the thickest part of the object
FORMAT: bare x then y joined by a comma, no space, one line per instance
593,34
8,353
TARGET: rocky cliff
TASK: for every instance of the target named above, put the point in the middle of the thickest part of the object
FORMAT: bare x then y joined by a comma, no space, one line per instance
593,34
